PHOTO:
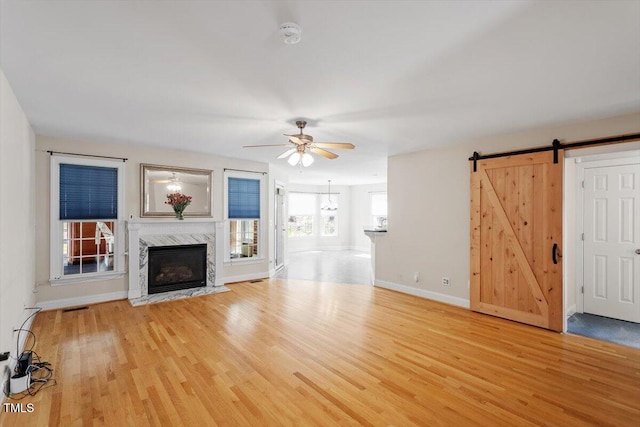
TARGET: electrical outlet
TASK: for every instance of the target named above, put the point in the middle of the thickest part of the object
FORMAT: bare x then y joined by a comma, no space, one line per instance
445,281
416,277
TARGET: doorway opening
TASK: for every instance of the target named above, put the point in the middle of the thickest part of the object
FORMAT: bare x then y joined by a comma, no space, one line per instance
280,228
602,234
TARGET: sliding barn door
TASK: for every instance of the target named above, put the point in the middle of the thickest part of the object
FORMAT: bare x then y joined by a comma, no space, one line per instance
516,238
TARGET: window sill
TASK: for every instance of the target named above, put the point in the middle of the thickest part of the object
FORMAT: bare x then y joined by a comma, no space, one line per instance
87,278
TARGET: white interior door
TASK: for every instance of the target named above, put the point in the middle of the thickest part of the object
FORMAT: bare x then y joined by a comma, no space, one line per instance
612,240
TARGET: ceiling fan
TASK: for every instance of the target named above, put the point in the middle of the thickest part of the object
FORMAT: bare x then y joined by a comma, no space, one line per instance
173,182
303,145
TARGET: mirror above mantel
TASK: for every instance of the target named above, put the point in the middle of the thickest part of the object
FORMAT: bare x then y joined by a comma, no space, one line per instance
157,181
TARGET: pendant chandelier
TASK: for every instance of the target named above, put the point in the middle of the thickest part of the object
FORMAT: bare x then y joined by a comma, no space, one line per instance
329,205
174,183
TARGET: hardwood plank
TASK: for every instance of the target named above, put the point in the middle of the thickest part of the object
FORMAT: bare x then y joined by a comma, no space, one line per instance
526,201
511,206
287,352
498,278
475,238
553,288
489,247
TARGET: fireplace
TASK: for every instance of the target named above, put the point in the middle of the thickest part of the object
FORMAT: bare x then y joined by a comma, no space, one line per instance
172,268
145,234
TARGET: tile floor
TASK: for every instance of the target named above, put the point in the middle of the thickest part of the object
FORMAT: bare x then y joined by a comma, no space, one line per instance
345,266
605,329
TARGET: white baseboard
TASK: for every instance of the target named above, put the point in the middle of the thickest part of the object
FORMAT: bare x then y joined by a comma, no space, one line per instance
328,248
448,299
76,301
571,310
245,277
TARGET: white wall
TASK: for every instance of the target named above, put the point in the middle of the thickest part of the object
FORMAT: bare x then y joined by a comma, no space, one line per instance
428,198
66,294
17,217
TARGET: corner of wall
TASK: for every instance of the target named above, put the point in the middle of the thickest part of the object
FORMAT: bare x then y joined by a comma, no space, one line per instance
17,232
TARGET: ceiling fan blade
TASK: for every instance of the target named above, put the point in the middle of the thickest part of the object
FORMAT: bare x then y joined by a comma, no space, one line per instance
295,139
287,153
324,153
346,145
265,145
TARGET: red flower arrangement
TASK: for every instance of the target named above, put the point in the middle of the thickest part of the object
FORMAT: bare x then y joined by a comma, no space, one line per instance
179,202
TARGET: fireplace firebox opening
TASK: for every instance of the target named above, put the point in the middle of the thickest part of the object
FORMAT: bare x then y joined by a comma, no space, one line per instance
172,268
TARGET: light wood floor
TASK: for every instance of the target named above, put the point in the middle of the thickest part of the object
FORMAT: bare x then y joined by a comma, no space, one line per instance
287,352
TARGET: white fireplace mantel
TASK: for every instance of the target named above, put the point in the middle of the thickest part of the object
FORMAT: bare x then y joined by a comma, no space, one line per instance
170,229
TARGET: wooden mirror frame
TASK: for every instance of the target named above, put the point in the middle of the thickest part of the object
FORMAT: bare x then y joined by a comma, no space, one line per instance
197,183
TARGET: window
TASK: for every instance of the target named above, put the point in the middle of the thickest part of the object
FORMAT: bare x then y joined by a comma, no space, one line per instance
328,216
243,211
87,246
311,214
87,206
302,208
379,210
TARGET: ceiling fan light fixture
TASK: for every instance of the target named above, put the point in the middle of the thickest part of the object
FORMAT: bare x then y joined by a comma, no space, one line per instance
291,32
307,159
294,159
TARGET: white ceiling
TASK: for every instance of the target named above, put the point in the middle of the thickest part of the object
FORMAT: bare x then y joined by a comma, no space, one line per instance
389,76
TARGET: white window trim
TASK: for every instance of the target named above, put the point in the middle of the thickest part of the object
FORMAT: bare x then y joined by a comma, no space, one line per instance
261,222
56,276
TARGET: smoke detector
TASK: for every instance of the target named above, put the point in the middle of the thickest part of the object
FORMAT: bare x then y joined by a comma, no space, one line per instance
291,32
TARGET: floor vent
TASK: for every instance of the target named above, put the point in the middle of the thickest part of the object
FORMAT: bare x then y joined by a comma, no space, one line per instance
255,281
66,310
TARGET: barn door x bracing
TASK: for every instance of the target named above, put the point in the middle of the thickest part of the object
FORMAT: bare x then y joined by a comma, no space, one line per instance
516,238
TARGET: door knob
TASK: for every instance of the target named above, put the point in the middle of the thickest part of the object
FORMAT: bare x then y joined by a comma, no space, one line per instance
638,251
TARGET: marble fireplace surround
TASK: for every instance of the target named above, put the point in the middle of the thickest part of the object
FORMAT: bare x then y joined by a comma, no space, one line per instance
144,233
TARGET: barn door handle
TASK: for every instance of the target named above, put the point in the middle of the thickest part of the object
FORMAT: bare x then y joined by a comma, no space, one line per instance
554,250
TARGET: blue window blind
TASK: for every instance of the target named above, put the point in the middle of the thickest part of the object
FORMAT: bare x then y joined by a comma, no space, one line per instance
88,192
243,198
